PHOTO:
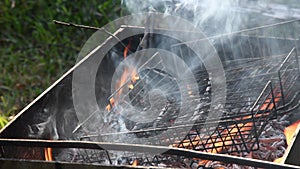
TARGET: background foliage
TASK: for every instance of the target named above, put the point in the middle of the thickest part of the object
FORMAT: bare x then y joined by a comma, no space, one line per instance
34,51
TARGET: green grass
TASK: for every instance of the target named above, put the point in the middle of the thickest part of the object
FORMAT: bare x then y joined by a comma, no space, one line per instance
34,51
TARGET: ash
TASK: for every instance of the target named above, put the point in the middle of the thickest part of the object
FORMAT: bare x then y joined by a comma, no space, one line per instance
272,145
272,140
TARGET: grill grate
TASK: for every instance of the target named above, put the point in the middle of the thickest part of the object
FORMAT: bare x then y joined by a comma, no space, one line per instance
257,85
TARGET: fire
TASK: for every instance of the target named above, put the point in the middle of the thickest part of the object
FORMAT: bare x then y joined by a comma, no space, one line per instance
131,86
227,136
267,104
129,73
48,154
135,77
289,134
111,103
126,49
135,163
202,162
218,144
189,90
289,131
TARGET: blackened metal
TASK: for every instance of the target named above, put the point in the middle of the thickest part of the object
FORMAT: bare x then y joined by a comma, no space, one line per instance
234,120
246,113
144,148
283,70
292,155
21,164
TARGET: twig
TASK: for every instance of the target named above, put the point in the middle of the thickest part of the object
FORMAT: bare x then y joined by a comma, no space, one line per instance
89,27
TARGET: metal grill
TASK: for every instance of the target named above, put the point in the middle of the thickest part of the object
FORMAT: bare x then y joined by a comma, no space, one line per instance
260,79
240,126
247,110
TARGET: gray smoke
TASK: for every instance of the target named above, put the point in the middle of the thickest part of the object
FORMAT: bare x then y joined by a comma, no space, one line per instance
213,17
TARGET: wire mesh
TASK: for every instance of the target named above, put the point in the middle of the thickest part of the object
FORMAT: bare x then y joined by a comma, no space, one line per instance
237,131
251,60
260,70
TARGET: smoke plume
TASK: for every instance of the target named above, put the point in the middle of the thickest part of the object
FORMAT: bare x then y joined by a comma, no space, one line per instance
213,17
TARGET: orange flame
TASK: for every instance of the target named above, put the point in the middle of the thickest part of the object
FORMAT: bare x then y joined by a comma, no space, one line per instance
128,73
130,86
48,154
218,143
126,49
267,104
135,163
135,77
289,134
112,103
227,135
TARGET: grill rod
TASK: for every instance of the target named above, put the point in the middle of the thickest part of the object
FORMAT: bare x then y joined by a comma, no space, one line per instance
144,148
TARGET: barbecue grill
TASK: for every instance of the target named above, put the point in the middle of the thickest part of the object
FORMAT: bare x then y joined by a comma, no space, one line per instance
262,84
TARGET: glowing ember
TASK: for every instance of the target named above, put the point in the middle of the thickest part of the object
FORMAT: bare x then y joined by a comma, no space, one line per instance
135,162
267,104
112,103
225,139
48,154
130,86
135,77
202,162
289,134
290,130
219,143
